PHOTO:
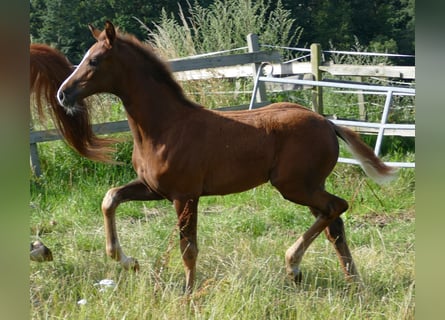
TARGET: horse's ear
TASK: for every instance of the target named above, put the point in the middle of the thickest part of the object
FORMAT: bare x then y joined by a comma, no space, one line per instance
110,32
95,32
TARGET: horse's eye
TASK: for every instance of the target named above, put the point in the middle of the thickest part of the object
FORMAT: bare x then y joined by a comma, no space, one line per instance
93,62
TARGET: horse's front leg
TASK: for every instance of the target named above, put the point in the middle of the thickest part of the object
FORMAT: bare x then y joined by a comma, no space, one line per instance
135,190
187,212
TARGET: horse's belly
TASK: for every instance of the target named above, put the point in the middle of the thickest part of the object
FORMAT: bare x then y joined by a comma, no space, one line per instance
236,177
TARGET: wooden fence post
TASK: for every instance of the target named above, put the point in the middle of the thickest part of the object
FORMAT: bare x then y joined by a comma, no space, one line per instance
317,92
253,46
34,159
361,102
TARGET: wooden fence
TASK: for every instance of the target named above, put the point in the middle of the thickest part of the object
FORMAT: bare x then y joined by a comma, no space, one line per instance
242,65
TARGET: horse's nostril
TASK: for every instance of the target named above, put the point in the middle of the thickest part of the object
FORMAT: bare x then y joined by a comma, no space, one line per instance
61,96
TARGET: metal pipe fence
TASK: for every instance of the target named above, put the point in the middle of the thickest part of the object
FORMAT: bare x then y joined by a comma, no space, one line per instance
381,126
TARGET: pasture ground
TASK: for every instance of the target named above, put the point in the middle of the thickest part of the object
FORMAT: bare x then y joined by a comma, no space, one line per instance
242,240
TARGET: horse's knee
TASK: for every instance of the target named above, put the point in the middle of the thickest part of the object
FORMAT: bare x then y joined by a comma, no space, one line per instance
108,202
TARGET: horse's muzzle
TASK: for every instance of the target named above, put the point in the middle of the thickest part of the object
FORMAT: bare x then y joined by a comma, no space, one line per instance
61,97
66,98
67,101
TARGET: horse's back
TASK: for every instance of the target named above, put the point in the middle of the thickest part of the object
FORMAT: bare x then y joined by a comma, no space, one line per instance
279,115
286,121
279,140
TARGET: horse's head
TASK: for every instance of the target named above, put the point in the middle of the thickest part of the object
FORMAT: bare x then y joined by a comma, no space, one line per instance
93,72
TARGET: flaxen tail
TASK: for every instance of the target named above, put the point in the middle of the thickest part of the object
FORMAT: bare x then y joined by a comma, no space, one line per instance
375,168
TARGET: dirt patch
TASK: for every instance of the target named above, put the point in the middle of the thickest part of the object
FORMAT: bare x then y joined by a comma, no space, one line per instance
382,219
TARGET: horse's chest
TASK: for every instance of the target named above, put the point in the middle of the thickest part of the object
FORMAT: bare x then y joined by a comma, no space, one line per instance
166,173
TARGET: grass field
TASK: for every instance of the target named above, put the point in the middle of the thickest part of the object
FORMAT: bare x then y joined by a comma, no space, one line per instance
242,240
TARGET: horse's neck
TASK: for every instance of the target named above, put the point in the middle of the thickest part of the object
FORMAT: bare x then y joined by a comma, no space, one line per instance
153,105
153,111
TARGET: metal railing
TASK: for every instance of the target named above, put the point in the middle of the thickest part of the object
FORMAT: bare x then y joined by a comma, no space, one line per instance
376,89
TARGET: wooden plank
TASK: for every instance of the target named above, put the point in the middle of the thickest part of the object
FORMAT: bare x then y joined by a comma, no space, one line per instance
177,65
391,129
296,68
111,127
99,129
44,135
387,132
292,68
216,73
244,71
401,72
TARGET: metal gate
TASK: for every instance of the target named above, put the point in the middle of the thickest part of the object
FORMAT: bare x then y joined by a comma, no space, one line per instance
375,89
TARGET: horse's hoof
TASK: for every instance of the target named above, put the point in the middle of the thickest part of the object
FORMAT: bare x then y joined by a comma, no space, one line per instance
131,264
298,278
135,266
295,275
39,252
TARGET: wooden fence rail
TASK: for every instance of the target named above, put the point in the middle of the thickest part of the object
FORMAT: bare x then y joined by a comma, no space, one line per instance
236,66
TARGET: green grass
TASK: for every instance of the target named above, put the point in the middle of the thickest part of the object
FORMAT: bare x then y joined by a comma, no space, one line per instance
242,240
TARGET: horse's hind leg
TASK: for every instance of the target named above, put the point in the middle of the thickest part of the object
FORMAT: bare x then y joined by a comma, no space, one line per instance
295,253
328,208
135,190
335,232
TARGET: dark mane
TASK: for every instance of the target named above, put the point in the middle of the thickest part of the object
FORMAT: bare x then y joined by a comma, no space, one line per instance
160,70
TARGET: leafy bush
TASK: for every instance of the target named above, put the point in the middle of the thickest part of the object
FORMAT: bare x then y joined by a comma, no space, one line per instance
222,26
